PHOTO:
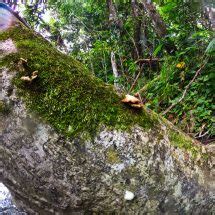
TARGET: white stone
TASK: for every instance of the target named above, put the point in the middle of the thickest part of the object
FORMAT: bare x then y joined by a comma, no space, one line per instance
128,195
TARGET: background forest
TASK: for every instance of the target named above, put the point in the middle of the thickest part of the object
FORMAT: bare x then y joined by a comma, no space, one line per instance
163,51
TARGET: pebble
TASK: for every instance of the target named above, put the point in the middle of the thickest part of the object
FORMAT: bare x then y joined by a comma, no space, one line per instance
128,195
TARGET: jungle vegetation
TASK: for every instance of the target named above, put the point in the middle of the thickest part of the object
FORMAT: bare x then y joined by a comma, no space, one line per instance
161,50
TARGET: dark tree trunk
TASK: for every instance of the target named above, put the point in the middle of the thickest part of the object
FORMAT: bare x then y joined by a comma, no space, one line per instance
113,18
159,25
137,30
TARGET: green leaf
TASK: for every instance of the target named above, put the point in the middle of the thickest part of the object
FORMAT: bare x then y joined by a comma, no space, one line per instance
157,50
211,47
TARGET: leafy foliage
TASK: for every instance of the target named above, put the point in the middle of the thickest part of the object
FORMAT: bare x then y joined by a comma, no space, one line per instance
211,47
159,68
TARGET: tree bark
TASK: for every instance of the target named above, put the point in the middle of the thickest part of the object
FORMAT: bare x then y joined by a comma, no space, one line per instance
113,19
137,30
117,23
48,172
115,71
159,25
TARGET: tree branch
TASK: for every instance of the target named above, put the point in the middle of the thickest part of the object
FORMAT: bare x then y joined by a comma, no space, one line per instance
144,88
114,68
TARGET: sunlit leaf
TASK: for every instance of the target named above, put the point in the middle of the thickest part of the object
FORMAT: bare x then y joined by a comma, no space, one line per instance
211,47
181,65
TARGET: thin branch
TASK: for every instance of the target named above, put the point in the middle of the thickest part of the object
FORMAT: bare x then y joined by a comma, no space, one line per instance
114,68
208,141
135,81
186,89
149,60
202,135
146,86
133,41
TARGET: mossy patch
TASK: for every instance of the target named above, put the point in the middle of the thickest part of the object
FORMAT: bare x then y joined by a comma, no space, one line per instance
183,142
65,94
4,108
112,156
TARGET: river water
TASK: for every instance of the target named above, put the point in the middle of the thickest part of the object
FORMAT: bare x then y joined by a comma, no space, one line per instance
6,204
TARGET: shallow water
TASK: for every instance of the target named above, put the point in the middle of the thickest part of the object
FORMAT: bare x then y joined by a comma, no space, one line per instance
6,204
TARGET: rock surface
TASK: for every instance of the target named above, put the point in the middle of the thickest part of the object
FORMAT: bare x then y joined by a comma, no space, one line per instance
48,173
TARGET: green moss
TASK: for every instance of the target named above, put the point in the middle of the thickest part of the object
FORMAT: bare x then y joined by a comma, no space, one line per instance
112,156
65,94
183,142
4,108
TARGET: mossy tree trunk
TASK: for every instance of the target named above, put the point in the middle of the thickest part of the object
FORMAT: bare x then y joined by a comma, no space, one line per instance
67,143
